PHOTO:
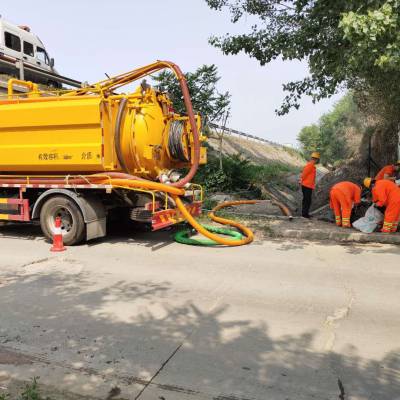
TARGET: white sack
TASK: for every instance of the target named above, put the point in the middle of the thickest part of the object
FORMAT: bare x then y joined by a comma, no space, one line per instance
370,221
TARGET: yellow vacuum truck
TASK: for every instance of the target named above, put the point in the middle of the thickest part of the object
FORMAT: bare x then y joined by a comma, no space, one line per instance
84,154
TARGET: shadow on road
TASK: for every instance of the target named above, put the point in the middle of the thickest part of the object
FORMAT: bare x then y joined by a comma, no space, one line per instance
116,234
142,236
123,331
24,231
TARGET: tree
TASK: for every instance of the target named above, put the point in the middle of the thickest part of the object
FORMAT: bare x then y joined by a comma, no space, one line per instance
329,135
352,43
309,139
206,99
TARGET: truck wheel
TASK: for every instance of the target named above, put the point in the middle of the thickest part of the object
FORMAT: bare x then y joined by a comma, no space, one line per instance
72,223
53,84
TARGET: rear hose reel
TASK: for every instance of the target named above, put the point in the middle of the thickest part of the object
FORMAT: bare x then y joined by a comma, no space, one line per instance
175,141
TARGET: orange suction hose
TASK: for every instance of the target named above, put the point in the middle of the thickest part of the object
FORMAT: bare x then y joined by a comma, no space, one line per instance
249,236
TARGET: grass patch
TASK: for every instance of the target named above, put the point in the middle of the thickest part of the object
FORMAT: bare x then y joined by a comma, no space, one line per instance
209,204
294,152
30,392
268,231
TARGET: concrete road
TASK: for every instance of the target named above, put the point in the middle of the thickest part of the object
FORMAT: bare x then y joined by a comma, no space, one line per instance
141,317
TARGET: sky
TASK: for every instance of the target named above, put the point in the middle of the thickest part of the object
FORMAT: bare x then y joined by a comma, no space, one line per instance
89,38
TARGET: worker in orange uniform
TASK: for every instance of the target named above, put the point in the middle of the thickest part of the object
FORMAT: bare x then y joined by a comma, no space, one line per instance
388,172
343,196
307,181
386,193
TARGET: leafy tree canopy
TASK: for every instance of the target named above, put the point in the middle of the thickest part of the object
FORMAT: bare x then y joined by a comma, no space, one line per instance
355,43
206,99
309,139
329,135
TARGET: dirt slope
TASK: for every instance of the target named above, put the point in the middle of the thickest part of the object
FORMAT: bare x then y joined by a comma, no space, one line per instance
255,151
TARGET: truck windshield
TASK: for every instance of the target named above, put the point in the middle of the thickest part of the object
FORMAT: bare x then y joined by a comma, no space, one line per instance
42,55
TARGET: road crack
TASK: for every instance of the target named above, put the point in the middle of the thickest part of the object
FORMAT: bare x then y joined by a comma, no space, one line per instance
332,322
341,388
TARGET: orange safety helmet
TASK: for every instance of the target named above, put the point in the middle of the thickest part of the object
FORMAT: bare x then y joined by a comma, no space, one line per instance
315,154
367,182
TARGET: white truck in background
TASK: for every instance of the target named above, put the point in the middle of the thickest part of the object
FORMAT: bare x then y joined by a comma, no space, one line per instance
23,55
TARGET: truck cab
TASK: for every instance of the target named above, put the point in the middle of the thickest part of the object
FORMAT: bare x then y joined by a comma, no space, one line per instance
19,45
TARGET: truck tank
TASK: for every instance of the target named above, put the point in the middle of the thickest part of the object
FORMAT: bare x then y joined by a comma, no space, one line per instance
93,130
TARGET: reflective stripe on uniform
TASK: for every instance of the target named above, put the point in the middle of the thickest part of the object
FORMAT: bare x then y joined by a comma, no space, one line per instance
346,222
387,227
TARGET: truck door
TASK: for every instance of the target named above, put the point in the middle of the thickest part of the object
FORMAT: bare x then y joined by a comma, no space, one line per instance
42,59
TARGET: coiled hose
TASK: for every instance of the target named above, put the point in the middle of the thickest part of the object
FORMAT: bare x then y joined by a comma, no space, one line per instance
248,234
175,193
183,236
175,145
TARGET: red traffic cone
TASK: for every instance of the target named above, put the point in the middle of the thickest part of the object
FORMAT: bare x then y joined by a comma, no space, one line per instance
57,237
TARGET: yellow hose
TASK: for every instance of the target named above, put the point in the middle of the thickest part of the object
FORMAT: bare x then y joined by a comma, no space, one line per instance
249,236
175,193
143,184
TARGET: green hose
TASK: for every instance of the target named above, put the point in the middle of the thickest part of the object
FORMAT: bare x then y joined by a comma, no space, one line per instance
183,236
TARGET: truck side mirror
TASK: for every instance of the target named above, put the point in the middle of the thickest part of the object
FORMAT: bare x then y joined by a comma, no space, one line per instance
51,62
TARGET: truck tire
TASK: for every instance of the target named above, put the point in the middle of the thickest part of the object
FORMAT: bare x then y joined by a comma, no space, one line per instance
53,84
72,223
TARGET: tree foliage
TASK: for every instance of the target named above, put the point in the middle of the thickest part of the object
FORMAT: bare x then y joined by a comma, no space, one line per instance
206,99
329,135
376,33
310,139
354,43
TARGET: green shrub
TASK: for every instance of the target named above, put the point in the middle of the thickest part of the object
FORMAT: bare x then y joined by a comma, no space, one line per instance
238,173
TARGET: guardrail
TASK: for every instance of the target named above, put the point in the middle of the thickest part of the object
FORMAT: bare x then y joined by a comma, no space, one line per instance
231,131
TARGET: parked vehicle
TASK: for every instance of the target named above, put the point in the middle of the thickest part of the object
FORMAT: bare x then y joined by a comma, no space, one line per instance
91,153
23,55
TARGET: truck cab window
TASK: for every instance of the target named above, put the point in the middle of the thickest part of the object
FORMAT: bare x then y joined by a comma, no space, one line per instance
12,41
28,49
42,55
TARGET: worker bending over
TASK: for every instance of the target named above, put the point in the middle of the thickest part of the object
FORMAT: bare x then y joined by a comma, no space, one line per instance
343,196
388,172
307,181
386,193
